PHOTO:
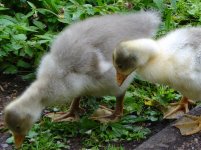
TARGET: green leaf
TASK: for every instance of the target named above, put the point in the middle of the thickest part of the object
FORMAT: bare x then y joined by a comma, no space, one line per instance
25,28
30,14
4,36
10,140
159,4
152,118
44,11
21,37
109,98
11,69
5,22
32,134
12,19
15,47
3,8
132,119
45,36
174,4
89,9
23,64
74,2
28,51
43,41
77,14
29,76
32,5
66,21
87,123
100,2
39,24
2,53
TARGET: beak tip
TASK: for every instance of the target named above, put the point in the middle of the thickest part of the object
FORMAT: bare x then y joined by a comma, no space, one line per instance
18,140
120,78
119,83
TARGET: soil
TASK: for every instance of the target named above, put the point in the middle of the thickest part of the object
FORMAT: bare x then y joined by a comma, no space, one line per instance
11,86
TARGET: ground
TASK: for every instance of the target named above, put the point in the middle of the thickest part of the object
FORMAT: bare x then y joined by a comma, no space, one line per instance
12,86
170,138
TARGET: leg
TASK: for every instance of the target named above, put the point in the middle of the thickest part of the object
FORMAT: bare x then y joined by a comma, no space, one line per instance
176,110
71,115
119,106
106,115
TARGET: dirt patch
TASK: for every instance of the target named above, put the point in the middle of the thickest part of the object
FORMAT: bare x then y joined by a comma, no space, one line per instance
12,86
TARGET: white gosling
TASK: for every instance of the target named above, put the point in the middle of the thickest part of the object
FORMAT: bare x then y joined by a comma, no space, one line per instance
173,60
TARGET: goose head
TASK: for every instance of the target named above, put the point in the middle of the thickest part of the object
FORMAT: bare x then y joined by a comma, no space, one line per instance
131,55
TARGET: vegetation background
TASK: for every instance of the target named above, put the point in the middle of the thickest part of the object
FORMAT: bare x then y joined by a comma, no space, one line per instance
27,29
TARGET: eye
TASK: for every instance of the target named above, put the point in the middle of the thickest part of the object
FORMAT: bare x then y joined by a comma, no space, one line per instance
120,66
18,127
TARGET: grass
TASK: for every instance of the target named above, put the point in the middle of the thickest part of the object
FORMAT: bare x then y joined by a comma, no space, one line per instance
143,100
138,112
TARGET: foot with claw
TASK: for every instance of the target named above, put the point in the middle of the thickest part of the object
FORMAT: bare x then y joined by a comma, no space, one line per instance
71,116
104,115
189,124
176,110
63,116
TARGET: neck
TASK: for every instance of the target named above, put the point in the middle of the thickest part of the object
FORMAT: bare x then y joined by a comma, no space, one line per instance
30,101
159,69
144,49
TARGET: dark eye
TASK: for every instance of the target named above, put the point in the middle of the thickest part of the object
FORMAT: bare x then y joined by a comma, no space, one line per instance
18,127
120,66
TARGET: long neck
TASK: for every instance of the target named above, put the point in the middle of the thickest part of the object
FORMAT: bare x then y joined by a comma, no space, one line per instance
31,100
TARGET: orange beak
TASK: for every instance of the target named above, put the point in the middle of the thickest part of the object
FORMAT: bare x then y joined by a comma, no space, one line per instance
18,138
120,78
